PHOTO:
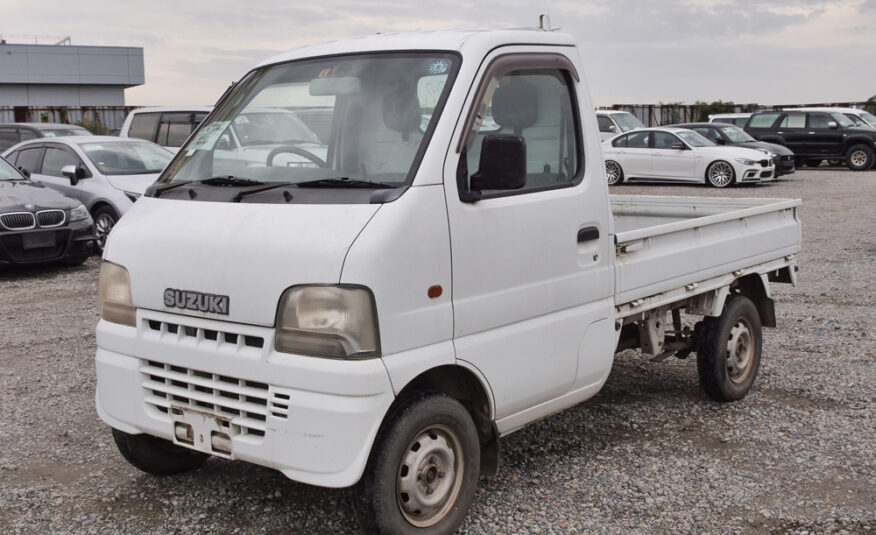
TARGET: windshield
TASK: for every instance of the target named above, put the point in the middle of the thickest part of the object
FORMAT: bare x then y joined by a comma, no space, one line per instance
736,134
362,118
127,157
59,132
8,172
694,139
627,121
841,119
869,117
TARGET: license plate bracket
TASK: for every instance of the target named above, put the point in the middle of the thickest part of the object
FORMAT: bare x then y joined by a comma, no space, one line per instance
202,431
37,240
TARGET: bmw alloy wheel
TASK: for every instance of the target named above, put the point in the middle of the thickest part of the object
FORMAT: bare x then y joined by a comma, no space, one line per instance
720,174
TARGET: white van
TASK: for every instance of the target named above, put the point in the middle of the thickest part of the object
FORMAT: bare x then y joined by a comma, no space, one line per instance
449,270
169,127
612,123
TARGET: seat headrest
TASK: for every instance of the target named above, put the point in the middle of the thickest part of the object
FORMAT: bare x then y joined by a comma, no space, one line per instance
401,108
514,104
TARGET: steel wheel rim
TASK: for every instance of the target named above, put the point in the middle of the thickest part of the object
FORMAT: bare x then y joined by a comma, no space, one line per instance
720,174
740,351
859,158
612,172
103,224
430,476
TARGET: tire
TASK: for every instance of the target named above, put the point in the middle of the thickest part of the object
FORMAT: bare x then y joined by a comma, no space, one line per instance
860,158
157,456
423,470
720,174
613,172
728,353
105,219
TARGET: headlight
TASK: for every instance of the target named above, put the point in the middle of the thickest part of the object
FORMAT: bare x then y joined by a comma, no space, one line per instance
79,213
744,161
114,295
327,321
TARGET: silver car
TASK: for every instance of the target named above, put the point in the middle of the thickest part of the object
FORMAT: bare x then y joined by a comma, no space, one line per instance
107,174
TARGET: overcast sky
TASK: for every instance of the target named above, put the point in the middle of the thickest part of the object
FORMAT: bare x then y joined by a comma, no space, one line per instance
634,51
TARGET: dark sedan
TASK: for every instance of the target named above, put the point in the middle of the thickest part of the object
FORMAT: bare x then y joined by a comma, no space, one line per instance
728,134
39,225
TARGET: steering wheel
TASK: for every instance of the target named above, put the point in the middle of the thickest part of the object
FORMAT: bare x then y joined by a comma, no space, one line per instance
294,150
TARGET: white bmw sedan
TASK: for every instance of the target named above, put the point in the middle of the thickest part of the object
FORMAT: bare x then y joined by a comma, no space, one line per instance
681,155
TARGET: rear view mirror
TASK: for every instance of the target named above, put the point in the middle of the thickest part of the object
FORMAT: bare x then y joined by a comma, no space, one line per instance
340,85
502,165
74,173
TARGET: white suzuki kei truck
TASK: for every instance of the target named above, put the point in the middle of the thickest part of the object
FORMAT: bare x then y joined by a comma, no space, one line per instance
449,269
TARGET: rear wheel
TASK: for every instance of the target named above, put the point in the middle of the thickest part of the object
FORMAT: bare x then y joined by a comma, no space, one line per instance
613,172
423,470
860,158
728,352
720,174
157,456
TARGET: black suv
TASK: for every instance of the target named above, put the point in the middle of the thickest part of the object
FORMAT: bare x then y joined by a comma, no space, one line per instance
729,134
12,133
815,136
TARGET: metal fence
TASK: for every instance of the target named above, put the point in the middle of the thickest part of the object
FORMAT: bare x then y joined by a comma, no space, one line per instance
111,117
660,114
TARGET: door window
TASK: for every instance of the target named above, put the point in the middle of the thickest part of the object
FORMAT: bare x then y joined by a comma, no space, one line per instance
764,120
638,140
708,133
27,134
819,120
538,106
8,137
665,140
794,120
29,159
143,126
604,123
55,160
174,129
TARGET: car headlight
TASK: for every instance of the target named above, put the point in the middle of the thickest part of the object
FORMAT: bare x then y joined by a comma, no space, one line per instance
745,161
327,321
79,213
114,295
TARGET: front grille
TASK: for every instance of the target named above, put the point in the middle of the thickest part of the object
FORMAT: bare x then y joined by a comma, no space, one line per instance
246,403
766,162
766,174
17,220
220,338
51,218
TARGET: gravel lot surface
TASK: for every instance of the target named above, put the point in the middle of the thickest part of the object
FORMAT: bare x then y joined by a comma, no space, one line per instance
649,454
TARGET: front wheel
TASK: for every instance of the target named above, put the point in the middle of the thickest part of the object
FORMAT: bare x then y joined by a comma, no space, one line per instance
860,158
423,470
728,352
613,172
720,174
104,220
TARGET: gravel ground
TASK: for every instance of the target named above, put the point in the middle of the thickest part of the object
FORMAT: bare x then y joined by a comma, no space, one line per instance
649,454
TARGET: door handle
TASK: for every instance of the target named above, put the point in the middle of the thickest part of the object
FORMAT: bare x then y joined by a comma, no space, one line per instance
588,234
811,133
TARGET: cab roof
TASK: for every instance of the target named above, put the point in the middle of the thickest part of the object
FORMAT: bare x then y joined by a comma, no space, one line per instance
474,42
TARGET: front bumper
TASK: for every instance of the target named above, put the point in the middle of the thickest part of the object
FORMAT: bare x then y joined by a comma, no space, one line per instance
785,165
756,173
70,242
312,419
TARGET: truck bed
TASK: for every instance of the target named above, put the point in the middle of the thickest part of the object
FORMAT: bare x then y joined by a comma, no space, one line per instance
666,243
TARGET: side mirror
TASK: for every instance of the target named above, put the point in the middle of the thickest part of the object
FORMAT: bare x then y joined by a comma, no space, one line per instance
24,172
502,165
832,124
74,173
720,141
678,146
612,129
224,143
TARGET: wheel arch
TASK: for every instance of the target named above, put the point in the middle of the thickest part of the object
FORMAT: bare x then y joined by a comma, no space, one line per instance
756,287
467,387
100,203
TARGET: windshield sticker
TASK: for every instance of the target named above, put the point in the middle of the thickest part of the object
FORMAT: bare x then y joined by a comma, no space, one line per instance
208,136
325,72
439,67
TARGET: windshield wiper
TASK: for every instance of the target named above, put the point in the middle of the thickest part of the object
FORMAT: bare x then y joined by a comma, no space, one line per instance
226,180
343,182
256,189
